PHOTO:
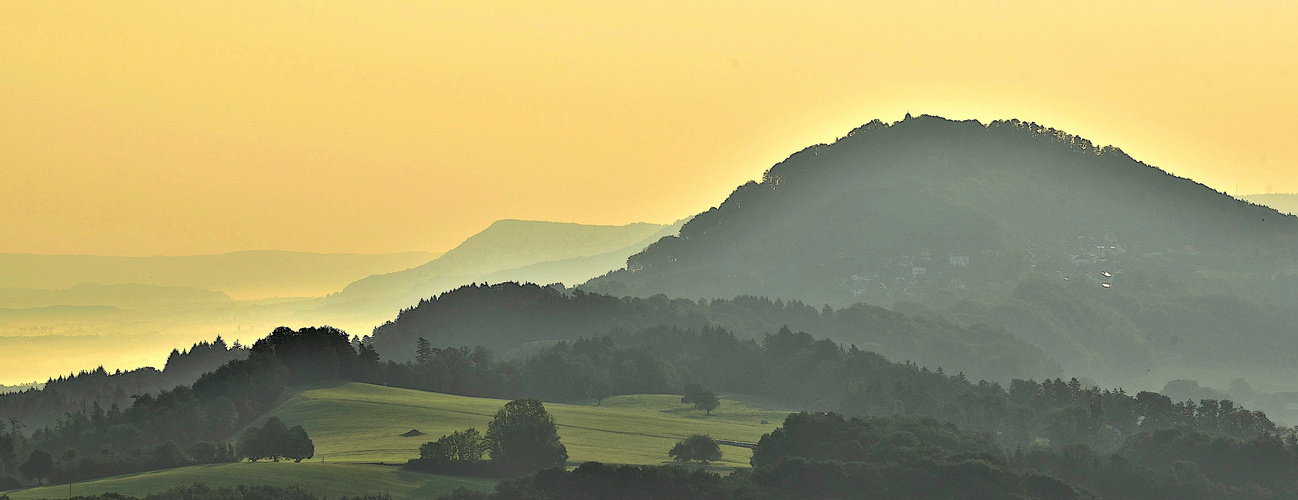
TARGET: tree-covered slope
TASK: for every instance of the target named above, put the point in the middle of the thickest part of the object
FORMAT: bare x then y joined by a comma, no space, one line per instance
508,317
1009,223
926,190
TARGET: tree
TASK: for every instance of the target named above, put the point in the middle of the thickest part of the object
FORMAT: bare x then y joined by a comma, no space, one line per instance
434,451
701,399
692,393
208,452
165,455
467,445
275,436
7,449
462,446
9,483
251,446
274,440
423,351
311,354
297,445
523,438
369,363
708,401
700,447
39,466
601,385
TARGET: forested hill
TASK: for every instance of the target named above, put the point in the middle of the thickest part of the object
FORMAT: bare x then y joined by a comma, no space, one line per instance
1103,261
37,407
929,189
522,318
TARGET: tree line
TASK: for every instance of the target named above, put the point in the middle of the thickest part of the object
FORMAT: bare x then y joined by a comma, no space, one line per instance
828,456
89,389
505,316
189,424
241,492
818,375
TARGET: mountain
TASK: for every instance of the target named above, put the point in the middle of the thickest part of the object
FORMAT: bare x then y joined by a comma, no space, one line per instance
120,295
579,269
510,249
243,275
1284,203
1112,266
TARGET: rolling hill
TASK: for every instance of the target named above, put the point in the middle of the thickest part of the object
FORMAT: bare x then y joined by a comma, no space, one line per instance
1114,267
322,478
357,422
357,428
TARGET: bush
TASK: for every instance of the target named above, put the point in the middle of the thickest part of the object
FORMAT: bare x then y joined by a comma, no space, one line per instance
463,446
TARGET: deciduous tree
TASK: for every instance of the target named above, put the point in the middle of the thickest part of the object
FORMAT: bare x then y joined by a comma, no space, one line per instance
523,437
699,447
39,466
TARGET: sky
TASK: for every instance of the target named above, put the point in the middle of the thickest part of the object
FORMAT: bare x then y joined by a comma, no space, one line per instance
183,128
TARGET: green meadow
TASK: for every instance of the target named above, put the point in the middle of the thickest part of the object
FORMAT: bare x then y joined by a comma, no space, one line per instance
357,430
324,478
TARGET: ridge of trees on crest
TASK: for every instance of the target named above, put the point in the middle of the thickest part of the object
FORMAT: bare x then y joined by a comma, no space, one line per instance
192,424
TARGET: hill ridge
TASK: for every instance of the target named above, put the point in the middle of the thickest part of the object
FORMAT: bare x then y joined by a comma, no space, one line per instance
961,216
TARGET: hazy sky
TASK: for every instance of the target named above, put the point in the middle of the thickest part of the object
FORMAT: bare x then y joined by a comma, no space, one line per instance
142,128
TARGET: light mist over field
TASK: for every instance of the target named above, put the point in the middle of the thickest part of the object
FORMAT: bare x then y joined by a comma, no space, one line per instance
128,312
249,275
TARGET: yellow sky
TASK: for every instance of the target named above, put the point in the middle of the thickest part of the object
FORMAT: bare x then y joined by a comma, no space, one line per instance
142,128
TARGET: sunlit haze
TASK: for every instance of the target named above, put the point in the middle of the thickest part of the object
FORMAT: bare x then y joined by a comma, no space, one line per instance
175,128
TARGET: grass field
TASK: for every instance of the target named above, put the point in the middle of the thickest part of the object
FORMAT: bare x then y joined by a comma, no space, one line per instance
364,423
357,429
322,478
